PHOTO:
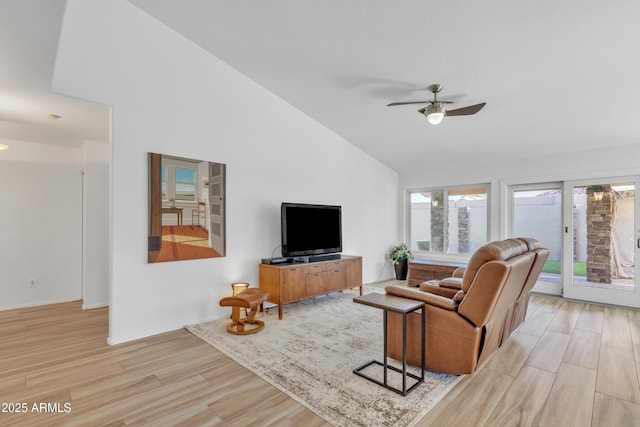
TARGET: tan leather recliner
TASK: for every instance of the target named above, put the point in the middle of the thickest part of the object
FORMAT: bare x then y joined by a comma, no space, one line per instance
466,317
518,309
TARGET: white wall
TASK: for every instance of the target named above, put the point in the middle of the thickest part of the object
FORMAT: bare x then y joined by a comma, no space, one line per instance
96,235
40,224
171,97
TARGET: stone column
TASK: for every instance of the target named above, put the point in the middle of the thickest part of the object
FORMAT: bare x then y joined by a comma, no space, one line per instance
437,221
599,226
463,230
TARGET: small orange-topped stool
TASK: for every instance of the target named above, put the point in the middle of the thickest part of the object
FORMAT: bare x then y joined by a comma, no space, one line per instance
252,298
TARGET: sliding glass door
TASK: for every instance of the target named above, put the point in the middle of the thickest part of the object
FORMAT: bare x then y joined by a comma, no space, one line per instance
536,211
592,230
602,239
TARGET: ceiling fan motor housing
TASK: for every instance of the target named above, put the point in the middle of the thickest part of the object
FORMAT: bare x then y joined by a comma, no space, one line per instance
435,112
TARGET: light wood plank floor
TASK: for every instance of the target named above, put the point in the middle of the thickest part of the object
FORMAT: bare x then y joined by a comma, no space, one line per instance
569,364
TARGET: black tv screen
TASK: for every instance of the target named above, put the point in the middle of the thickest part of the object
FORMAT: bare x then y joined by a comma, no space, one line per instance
310,229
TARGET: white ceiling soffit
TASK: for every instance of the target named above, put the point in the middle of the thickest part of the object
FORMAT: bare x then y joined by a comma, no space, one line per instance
29,32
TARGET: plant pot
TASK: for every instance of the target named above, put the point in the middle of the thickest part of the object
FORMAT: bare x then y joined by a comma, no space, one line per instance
401,268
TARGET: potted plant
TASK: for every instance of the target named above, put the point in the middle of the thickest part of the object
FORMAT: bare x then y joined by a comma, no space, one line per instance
400,255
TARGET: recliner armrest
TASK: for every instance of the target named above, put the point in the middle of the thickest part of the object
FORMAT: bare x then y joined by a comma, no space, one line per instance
426,297
452,283
459,272
433,287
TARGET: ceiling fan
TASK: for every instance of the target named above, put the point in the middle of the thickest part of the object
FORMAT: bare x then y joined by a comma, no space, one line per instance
436,110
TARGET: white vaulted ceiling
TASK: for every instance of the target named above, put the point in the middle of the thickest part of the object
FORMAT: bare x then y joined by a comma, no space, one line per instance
556,76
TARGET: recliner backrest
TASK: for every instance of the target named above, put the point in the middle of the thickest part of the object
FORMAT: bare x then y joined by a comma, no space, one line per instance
541,255
499,250
532,243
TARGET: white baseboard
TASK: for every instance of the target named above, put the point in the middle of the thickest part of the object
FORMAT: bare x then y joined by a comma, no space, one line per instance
92,306
112,341
550,288
39,303
122,340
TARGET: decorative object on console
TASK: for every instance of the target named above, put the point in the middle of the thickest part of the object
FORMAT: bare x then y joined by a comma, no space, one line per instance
277,260
400,255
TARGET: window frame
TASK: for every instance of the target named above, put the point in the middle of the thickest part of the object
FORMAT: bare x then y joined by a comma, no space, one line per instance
171,164
193,183
446,190
164,182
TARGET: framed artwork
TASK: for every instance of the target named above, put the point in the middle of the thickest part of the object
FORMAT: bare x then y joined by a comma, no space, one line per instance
186,220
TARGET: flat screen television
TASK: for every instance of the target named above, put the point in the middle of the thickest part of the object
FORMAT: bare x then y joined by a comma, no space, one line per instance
310,229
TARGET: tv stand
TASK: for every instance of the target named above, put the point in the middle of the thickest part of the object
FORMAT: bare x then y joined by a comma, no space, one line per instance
287,283
316,258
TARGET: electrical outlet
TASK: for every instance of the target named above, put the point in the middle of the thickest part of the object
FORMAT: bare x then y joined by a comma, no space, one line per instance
32,283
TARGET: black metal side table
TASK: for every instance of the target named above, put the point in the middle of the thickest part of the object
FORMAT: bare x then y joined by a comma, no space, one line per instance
402,306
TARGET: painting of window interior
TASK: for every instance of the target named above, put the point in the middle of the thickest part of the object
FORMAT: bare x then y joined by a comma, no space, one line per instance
186,208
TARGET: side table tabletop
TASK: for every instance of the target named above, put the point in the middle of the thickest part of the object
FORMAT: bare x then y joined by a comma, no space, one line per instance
402,306
177,211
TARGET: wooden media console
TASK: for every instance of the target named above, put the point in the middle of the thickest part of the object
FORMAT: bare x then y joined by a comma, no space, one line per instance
287,283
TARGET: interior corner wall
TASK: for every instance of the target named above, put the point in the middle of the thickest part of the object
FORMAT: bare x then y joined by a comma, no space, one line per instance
96,250
169,96
40,224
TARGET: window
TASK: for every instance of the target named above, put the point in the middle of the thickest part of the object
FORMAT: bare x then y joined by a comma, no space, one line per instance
179,179
449,220
185,184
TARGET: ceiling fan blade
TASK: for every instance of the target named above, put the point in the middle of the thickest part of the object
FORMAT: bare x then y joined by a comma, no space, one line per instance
466,111
393,104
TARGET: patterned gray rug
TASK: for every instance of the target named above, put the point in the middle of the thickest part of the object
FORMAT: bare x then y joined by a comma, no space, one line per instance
310,355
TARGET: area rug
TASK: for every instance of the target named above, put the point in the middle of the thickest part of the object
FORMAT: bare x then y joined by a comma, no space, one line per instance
310,355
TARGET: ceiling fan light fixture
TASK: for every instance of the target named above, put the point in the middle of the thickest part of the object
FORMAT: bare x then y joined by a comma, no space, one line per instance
435,112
